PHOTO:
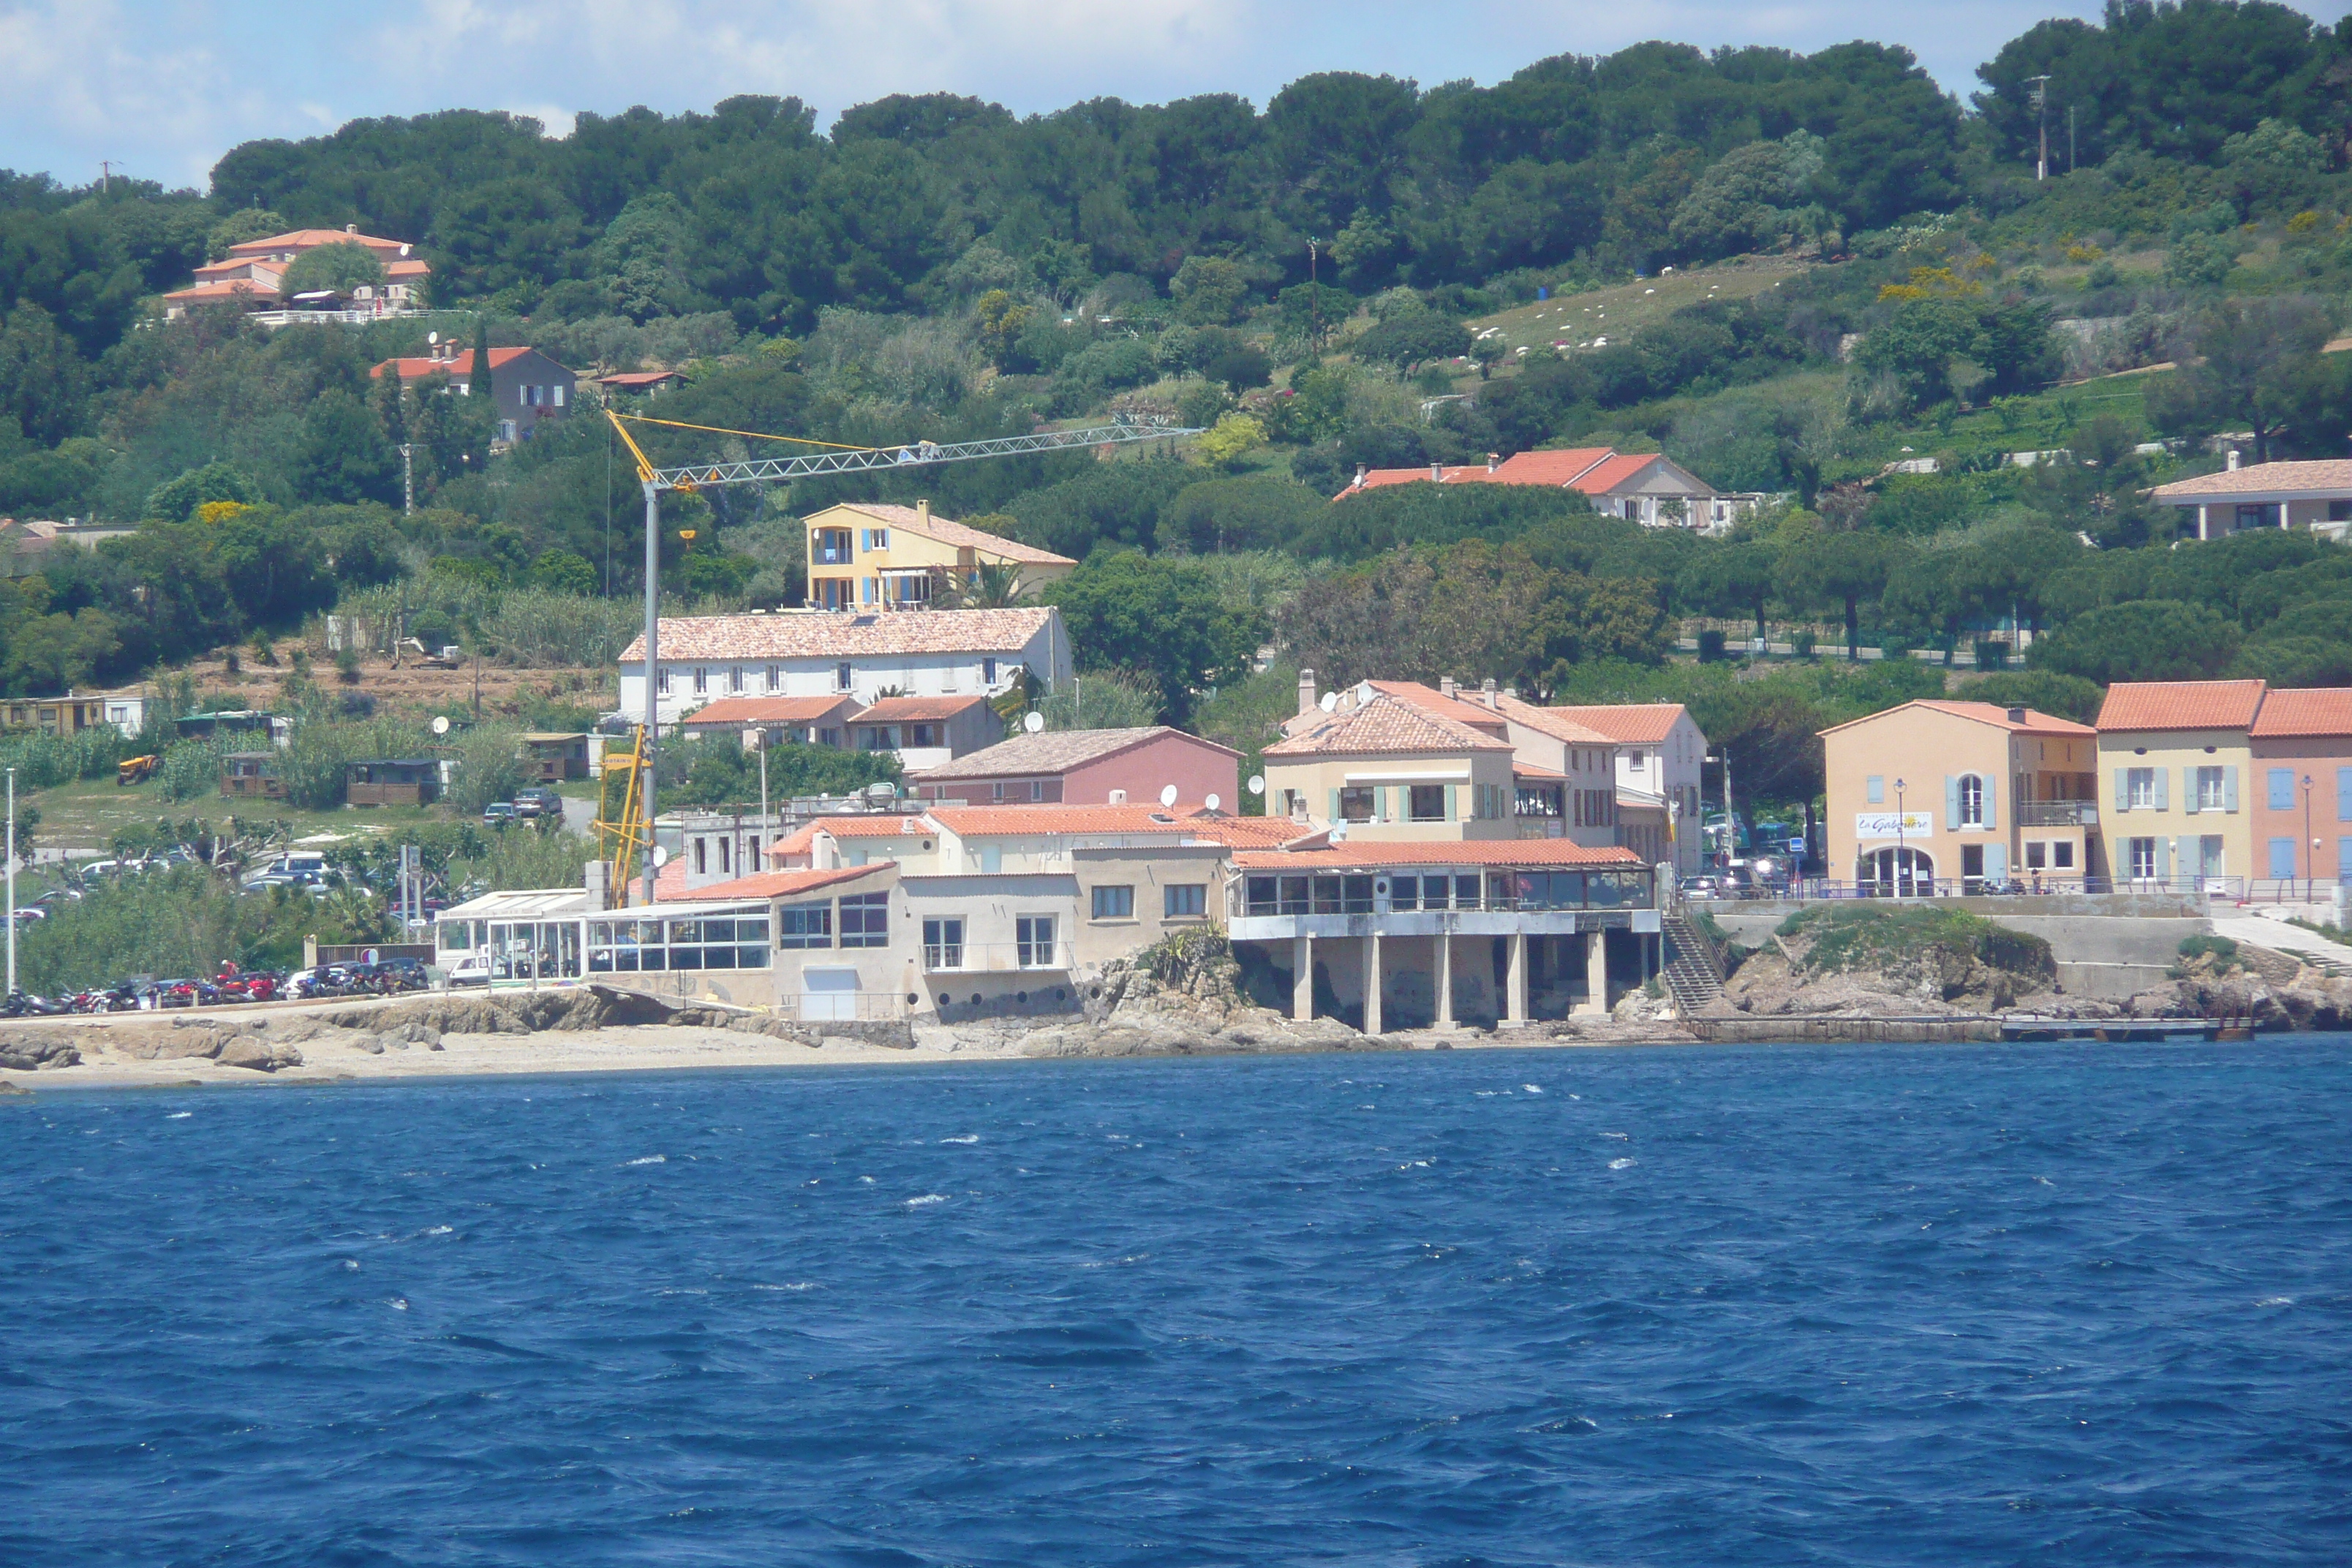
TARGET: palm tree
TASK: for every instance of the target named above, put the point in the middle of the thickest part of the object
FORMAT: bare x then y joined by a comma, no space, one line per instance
991,586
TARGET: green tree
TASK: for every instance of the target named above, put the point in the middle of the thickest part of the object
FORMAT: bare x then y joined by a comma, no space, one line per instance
43,382
2259,368
344,457
339,269
562,571
2151,639
1413,340
1737,577
176,501
1161,618
1843,569
1209,291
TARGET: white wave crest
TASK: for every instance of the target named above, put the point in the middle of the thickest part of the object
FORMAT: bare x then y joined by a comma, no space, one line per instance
967,1138
649,1160
1622,1164
925,1199
179,1116
1530,1089
803,1285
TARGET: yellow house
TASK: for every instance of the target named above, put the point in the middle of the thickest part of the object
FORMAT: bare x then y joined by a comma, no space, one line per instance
1950,797
2177,757
870,555
1389,771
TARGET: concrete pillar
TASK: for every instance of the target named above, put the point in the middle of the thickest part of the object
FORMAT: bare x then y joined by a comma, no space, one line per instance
1302,985
1516,1005
1373,985
1596,972
1445,981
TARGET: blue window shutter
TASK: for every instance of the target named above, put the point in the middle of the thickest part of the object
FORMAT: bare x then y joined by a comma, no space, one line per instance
1992,805
2230,789
2163,856
1335,805
1951,804
1452,809
2343,794
2123,789
2164,789
2281,860
1997,862
2281,789
2344,860
1873,788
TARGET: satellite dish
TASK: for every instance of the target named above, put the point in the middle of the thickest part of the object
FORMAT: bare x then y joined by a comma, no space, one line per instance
432,337
1167,795
1331,701
1033,722
1257,783
1213,802
441,724
661,856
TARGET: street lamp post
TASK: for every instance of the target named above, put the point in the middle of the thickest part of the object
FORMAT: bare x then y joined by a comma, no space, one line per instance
2310,845
1901,854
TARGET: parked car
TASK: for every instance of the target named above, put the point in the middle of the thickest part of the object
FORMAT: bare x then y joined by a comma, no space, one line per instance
537,802
468,969
497,814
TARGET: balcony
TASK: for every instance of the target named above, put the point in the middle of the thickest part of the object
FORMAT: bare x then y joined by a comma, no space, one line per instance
2058,813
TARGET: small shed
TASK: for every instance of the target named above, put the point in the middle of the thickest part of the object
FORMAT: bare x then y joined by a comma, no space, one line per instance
551,758
251,775
405,781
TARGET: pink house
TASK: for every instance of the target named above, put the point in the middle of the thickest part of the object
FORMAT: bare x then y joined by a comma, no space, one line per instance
1088,767
2302,745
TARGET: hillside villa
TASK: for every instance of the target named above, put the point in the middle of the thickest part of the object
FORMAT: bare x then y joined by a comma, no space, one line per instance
2313,495
1650,488
248,276
526,385
874,556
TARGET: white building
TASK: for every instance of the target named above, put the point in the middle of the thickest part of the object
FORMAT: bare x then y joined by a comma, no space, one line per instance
1660,749
812,653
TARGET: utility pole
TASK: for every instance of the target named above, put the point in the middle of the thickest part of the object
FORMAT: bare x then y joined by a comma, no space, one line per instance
2070,138
2041,110
764,824
407,478
12,882
652,672
1315,289
105,177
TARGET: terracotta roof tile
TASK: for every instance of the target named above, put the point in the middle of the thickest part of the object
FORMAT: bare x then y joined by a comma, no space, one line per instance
1384,725
1368,854
850,825
917,710
941,530
1462,710
2326,475
758,884
2181,705
2324,712
830,633
2035,721
310,240
1554,722
1006,821
456,366
1624,723
1051,752
768,710
1562,467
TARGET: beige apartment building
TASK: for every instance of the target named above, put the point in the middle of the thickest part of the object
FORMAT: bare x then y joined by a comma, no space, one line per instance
871,555
1953,797
2179,764
1386,770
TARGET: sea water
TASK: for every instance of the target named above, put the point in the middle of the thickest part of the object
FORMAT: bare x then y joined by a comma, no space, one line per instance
1698,1306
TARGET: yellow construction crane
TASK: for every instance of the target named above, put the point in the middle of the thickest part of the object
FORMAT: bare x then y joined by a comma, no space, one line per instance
631,832
625,827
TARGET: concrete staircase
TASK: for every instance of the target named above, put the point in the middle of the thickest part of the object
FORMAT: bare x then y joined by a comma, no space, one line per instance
1694,972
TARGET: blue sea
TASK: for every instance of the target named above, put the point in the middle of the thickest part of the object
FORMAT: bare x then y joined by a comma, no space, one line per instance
1898,1305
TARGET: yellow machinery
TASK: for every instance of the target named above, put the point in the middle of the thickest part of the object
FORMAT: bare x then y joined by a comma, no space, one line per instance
136,770
624,824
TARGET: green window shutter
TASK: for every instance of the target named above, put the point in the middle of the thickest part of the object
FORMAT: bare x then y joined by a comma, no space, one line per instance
2164,791
2230,789
2123,789
1951,804
1992,804
1453,810
1997,862
1333,816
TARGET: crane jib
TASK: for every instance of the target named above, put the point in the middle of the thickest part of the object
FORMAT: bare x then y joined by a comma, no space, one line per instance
911,455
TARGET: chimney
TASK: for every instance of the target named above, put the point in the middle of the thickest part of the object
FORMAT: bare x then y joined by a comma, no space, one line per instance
2017,715
1491,460
1359,478
599,883
2234,459
1486,692
923,513
351,228
1306,691
1118,797
1437,472
823,853
1446,684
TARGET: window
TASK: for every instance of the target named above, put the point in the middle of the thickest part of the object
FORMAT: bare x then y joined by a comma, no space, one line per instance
1466,891
2142,852
2212,789
1033,942
866,920
1428,803
558,389
2281,860
987,672
2062,854
1359,803
1184,901
726,852
830,547
1114,903
805,925
1874,789
775,679
873,538
1538,800
943,944
2036,856
841,676
701,679
700,856
921,735
661,681
735,677
2139,792
2281,782
1971,801
752,849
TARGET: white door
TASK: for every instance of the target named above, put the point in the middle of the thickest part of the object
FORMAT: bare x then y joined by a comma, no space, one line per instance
828,994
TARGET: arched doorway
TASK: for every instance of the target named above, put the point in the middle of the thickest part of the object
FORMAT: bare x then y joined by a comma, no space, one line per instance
1904,873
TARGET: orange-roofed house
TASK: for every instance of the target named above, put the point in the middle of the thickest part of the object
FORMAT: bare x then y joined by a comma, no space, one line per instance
1387,769
1090,767
526,385
2312,494
872,555
1650,487
2175,757
764,722
248,277
1949,798
926,731
2302,795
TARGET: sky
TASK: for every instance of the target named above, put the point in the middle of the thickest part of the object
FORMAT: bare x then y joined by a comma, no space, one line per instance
161,89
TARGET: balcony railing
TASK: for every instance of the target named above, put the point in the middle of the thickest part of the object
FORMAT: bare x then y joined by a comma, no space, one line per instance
993,957
2058,813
